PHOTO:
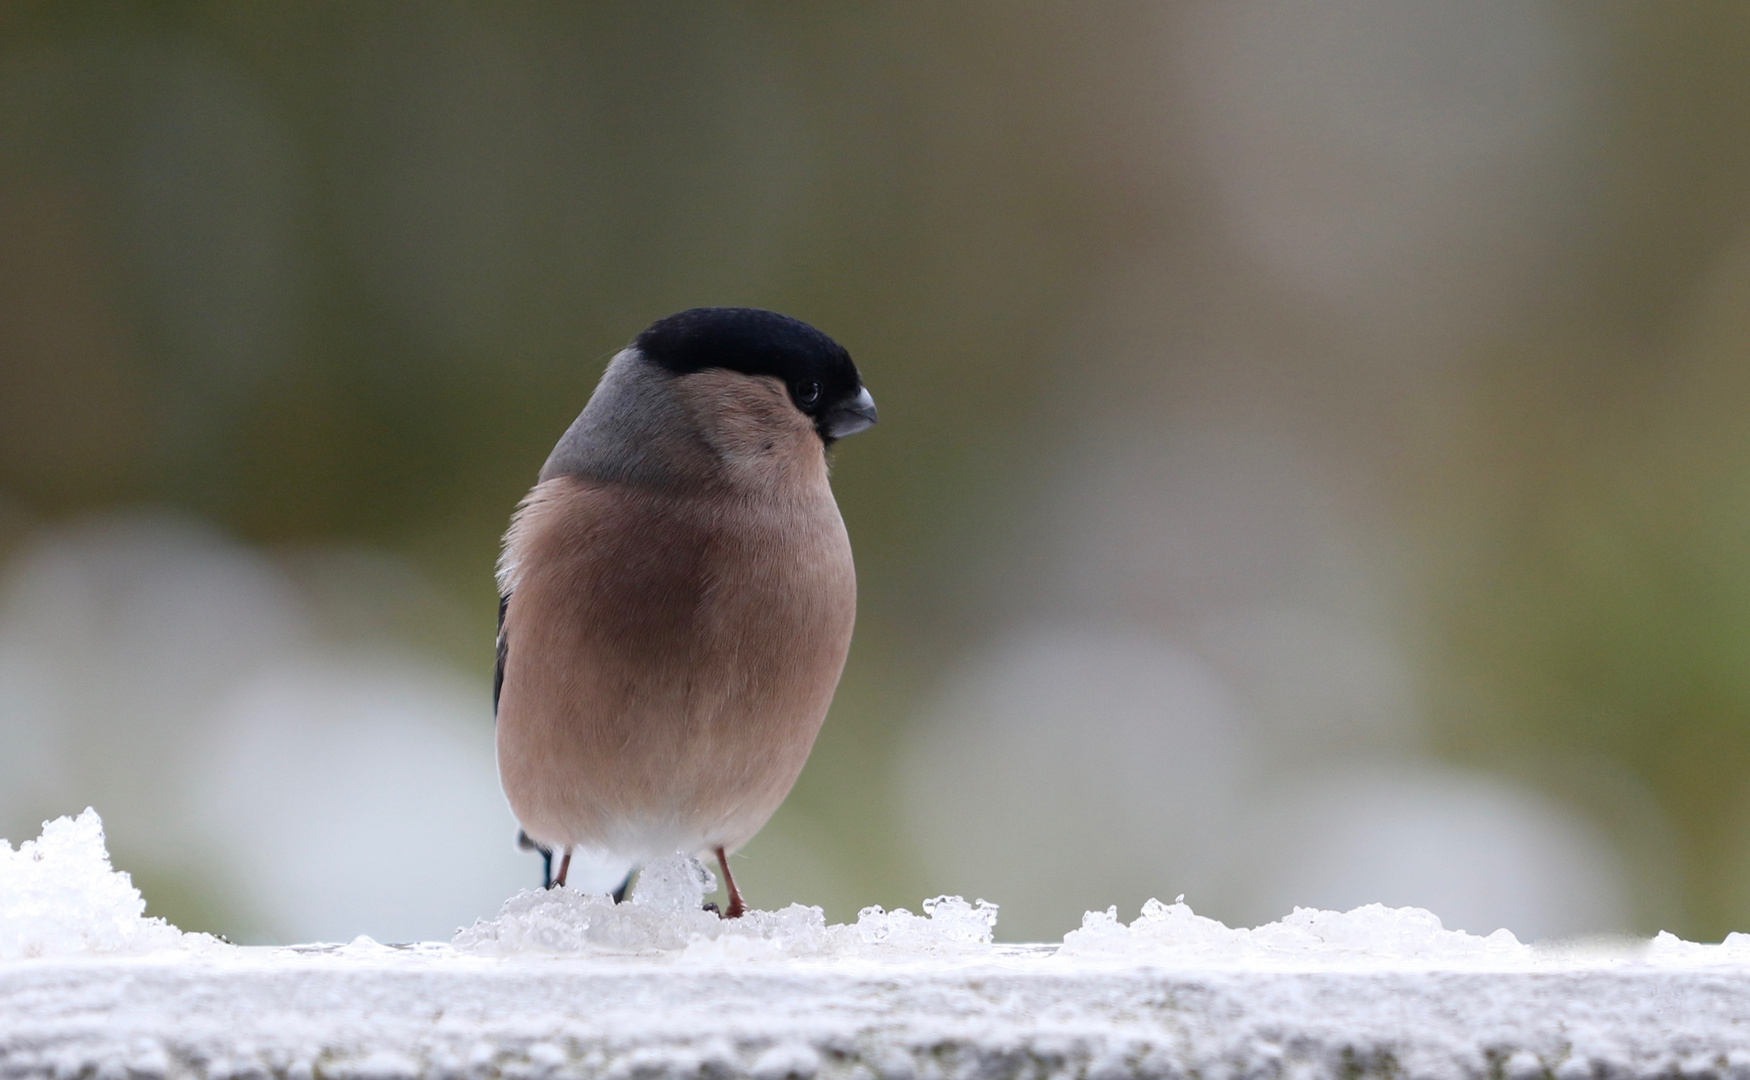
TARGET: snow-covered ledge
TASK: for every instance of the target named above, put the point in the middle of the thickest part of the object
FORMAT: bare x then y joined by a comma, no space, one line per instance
565,985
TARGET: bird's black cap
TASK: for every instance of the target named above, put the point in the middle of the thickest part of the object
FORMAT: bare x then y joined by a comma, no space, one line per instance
755,342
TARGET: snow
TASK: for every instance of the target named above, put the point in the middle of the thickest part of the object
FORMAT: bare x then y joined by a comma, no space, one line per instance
562,983
60,897
1371,935
261,729
666,915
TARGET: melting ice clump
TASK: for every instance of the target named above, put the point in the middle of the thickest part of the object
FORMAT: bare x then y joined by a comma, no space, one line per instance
1372,934
59,896
666,914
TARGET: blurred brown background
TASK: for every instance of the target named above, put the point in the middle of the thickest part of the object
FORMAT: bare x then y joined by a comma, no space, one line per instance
1314,463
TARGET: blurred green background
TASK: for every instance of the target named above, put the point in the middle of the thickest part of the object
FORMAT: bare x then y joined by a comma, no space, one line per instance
1314,462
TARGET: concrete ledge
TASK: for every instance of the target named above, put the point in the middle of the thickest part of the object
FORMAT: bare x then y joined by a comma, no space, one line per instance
561,984
258,1013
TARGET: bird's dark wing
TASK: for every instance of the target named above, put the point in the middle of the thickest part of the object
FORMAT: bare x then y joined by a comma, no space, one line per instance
503,651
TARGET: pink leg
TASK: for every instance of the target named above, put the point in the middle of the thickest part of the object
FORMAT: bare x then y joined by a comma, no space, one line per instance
736,907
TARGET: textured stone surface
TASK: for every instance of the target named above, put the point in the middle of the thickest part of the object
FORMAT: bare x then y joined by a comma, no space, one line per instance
432,1012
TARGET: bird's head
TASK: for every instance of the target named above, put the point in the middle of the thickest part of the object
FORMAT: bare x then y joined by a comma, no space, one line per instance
816,373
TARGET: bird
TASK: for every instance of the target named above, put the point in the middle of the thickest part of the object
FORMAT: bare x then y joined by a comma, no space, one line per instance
677,595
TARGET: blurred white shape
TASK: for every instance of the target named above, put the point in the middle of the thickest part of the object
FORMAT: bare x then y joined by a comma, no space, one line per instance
116,638
1240,551
181,683
1311,683
1384,155
1177,523
1072,767
357,795
1478,851
1234,542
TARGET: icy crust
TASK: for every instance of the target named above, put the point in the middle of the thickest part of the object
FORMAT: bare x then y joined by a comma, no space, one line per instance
1369,936
666,915
665,918
1668,950
59,896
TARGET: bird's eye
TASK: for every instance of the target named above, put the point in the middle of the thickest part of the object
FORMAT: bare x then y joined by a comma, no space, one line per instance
807,393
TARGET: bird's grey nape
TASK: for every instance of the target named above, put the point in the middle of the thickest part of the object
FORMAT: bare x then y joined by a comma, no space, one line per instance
632,431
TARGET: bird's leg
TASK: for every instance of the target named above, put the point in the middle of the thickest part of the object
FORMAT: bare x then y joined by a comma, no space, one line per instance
564,868
523,841
736,907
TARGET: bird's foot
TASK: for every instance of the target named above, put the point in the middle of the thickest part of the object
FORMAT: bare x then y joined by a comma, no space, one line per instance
736,907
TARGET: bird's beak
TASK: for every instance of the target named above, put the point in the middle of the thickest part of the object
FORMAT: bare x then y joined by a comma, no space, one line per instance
851,417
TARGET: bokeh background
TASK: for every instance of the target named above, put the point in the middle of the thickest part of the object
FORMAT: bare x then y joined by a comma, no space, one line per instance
1314,464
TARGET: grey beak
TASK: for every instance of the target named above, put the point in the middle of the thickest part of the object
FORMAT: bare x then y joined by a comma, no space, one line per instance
851,417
